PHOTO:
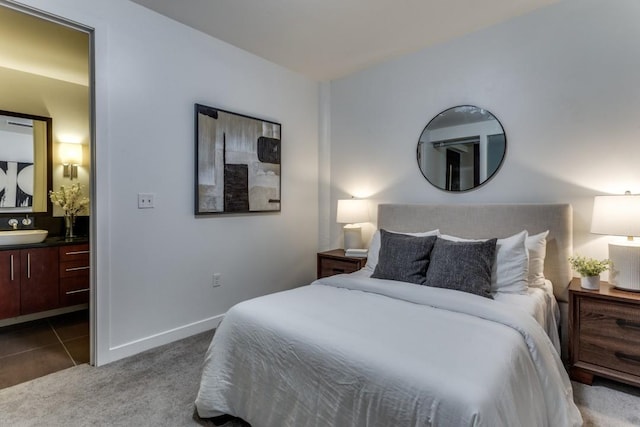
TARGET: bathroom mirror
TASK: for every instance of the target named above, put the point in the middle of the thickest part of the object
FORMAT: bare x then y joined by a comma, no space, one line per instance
25,163
461,148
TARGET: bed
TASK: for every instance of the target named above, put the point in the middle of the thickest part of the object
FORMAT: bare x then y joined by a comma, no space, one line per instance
352,350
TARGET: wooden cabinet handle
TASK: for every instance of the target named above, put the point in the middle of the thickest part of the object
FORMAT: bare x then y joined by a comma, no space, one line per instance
12,268
29,265
627,357
627,324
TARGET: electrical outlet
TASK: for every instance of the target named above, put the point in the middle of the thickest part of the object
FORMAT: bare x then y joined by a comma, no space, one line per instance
217,280
145,200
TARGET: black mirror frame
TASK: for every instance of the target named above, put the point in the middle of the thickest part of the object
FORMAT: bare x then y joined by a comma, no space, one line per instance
49,122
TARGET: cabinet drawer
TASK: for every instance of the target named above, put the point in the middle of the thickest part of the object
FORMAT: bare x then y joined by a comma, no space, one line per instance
612,354
609,335
329,267
608,319
74,290
75,253
74,268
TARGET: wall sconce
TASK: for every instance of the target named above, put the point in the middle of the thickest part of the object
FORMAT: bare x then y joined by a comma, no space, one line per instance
71,157
352,212
620,216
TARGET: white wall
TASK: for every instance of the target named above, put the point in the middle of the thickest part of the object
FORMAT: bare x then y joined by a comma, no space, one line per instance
564,81
155,266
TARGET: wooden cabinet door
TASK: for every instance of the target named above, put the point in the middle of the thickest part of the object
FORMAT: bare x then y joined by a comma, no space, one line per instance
9,284
39,281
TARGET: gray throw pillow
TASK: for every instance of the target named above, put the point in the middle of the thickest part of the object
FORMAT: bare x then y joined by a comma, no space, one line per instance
462,266
402,257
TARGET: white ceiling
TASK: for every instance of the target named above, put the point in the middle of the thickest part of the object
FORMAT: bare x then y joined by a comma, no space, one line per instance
328,39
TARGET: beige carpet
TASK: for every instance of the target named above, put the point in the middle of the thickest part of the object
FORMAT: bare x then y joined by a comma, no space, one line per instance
157,388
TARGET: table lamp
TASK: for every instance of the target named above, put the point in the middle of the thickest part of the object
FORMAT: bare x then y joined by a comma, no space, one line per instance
620,216
351,212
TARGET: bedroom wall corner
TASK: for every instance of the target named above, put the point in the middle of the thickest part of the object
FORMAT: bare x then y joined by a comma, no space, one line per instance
324,166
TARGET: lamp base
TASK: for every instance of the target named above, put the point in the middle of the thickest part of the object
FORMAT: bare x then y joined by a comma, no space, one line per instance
625,270
352,237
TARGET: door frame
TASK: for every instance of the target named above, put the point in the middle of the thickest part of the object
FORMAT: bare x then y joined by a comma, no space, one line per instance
90,31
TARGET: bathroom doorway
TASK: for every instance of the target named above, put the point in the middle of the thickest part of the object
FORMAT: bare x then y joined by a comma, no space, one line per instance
46,70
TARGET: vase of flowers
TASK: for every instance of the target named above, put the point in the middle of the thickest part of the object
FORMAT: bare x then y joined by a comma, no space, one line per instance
589,270
72,202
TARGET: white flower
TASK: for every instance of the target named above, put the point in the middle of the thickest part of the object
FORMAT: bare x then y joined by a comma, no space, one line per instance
70,199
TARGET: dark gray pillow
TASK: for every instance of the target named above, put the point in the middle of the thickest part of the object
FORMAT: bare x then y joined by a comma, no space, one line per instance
402,257
463,266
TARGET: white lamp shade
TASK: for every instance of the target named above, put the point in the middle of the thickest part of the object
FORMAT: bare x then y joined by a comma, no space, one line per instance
352,211
616,215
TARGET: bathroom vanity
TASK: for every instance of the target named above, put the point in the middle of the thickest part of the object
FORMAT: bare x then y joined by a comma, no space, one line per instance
43,276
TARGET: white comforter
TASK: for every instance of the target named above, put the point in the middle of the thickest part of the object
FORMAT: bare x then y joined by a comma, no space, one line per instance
353,351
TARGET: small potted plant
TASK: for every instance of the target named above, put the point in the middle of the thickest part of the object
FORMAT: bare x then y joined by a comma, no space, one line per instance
589,269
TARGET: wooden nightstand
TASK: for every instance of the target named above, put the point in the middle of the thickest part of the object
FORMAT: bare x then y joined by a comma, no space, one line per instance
604,334
335,262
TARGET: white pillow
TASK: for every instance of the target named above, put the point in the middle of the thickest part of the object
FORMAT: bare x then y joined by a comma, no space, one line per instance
374,246
510,271
537,247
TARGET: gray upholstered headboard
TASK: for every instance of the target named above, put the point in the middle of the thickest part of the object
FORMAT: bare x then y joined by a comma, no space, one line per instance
499,220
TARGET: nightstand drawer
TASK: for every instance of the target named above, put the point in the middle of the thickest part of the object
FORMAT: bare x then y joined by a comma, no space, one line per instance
611,354
608,319
335,262
609,335
330,267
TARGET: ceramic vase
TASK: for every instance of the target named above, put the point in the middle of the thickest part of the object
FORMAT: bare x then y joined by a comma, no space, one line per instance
590,282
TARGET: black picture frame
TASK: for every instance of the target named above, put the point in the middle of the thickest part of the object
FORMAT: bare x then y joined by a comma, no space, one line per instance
237,163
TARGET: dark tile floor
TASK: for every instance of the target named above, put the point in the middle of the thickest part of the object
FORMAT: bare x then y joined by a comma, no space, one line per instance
34,349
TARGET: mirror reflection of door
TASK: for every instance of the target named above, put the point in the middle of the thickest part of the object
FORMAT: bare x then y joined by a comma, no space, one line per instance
463,167
453,170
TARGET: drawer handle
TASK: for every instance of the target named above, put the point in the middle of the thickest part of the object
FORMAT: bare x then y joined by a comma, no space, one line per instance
77,268
627,324
627,357
338,270
77,291
77,252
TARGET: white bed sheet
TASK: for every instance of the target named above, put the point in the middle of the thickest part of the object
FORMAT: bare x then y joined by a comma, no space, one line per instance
352,351
540,303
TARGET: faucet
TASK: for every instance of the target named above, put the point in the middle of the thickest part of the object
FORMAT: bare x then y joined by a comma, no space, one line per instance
26,221
13,223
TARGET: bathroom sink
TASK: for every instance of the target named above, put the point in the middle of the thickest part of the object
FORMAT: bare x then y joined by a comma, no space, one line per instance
22,237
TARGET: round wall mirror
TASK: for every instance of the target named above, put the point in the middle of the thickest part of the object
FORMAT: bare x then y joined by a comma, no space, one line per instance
461,148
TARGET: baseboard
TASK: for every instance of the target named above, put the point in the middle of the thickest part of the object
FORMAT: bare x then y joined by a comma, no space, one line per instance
42,315
162,338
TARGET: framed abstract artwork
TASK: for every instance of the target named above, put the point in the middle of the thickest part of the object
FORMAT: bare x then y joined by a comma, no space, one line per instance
237,165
